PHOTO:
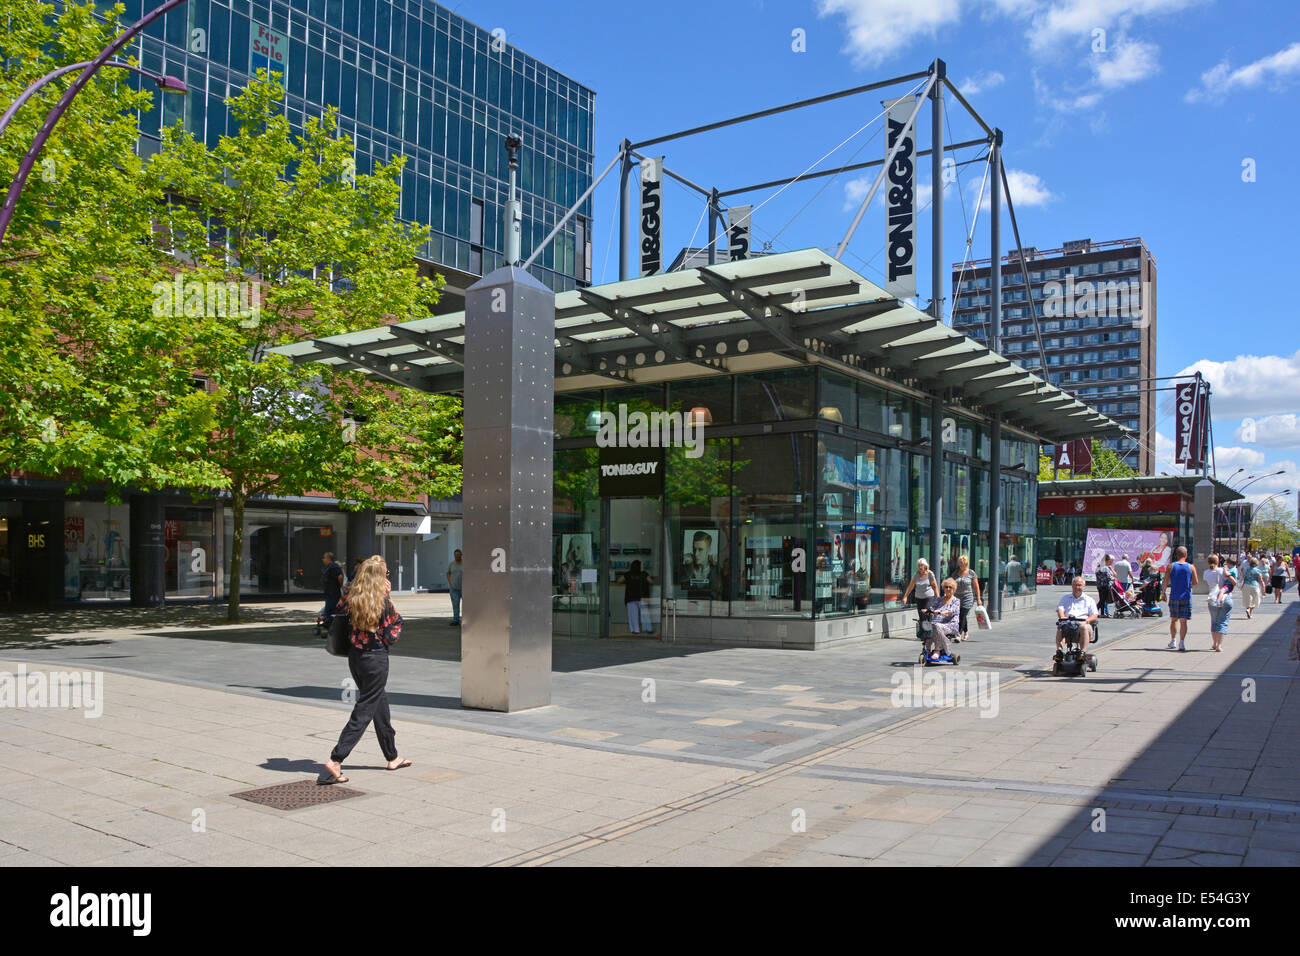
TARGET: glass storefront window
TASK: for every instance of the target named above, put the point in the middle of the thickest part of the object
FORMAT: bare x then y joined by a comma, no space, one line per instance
190,565
576,535
710,394
96,550
700,528
577,414
311,534
782,396
264,569
838,400
771,523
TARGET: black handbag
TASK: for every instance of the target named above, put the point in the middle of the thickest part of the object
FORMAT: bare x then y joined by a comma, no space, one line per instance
340,635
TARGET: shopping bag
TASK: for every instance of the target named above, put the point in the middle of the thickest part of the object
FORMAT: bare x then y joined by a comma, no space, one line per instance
982,618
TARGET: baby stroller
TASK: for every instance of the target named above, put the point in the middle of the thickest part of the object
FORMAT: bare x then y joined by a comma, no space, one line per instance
1149,597
1120,603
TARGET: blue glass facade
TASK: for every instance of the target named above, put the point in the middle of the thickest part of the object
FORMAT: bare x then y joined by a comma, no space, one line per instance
408,78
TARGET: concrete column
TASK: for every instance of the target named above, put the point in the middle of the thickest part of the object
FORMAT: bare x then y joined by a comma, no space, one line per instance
937,557
148,551
508,470
361,538
1202,529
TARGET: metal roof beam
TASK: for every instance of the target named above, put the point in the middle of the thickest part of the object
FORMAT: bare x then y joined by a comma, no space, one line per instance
932,367
772,316
367,363
654,330
448,350
834,319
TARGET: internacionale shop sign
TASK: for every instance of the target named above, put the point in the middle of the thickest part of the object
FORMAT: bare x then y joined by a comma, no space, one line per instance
900,199
652,222
403,524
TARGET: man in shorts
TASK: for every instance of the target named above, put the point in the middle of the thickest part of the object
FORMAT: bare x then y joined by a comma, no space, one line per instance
1179,581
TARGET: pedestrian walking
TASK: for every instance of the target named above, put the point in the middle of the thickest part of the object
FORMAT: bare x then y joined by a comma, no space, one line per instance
636,586
454,580
1277,578
968,592
923,583
1251,577
331,579
1221,584
1179,580
1124,572
375,625
1105,584
1015,576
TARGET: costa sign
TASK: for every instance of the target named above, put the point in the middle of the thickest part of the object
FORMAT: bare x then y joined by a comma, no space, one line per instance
900,199
652,194
1189,410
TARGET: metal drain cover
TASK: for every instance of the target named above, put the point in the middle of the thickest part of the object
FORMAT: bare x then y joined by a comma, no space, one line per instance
296,795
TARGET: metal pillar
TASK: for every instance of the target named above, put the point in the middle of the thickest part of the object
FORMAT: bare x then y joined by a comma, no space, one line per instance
1203,531
995,429
148,551
623,175
936,487
508,466
936,309
713,227
361,538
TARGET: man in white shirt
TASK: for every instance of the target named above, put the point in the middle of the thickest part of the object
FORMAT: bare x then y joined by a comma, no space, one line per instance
1079,607
1123,572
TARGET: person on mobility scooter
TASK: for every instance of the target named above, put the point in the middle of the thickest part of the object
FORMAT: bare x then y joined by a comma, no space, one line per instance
1076,621
938,624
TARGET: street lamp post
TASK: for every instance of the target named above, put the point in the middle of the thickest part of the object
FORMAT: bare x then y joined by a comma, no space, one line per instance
169,84
1253,479
1280,494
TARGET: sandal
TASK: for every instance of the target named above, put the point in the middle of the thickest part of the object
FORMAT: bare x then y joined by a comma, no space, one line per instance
328,776
401,763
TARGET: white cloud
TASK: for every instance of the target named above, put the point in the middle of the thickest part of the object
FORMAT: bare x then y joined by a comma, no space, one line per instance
1052,24
1250,385
856,189
1274,483
879,29
1027,189
1271,431
1228,458
1128,62
1221,81
984,80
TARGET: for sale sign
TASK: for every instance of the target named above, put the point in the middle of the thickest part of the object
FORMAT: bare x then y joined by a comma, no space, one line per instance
267,49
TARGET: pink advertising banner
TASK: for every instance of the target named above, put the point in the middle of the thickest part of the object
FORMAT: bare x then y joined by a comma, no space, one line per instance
1117,542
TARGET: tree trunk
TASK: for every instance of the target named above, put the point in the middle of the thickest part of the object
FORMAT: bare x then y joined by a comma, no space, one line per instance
236,555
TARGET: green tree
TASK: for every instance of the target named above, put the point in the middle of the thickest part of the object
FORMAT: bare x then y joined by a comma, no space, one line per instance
1105,464
91,385
1274,526
310,249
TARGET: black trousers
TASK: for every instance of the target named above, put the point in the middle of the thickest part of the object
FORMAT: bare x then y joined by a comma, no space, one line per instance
370,671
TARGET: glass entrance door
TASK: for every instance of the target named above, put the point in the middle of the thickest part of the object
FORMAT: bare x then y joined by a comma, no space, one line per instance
635,533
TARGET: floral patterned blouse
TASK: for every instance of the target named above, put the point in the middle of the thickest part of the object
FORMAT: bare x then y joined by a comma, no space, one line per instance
389,630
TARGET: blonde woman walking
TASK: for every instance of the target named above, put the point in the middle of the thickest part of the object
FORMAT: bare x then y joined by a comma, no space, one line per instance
375,625
968,592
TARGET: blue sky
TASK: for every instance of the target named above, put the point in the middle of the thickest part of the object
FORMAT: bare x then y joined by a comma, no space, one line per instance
1122,118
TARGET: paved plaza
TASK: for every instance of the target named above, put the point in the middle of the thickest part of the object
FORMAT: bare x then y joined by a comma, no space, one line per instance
656,754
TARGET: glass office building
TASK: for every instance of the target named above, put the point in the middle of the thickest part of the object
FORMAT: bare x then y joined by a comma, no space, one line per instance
408,78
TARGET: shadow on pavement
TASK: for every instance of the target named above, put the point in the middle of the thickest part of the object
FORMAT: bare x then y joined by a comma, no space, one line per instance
1229,755
396,698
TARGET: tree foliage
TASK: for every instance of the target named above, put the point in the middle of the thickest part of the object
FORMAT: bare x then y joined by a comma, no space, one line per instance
1274,527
